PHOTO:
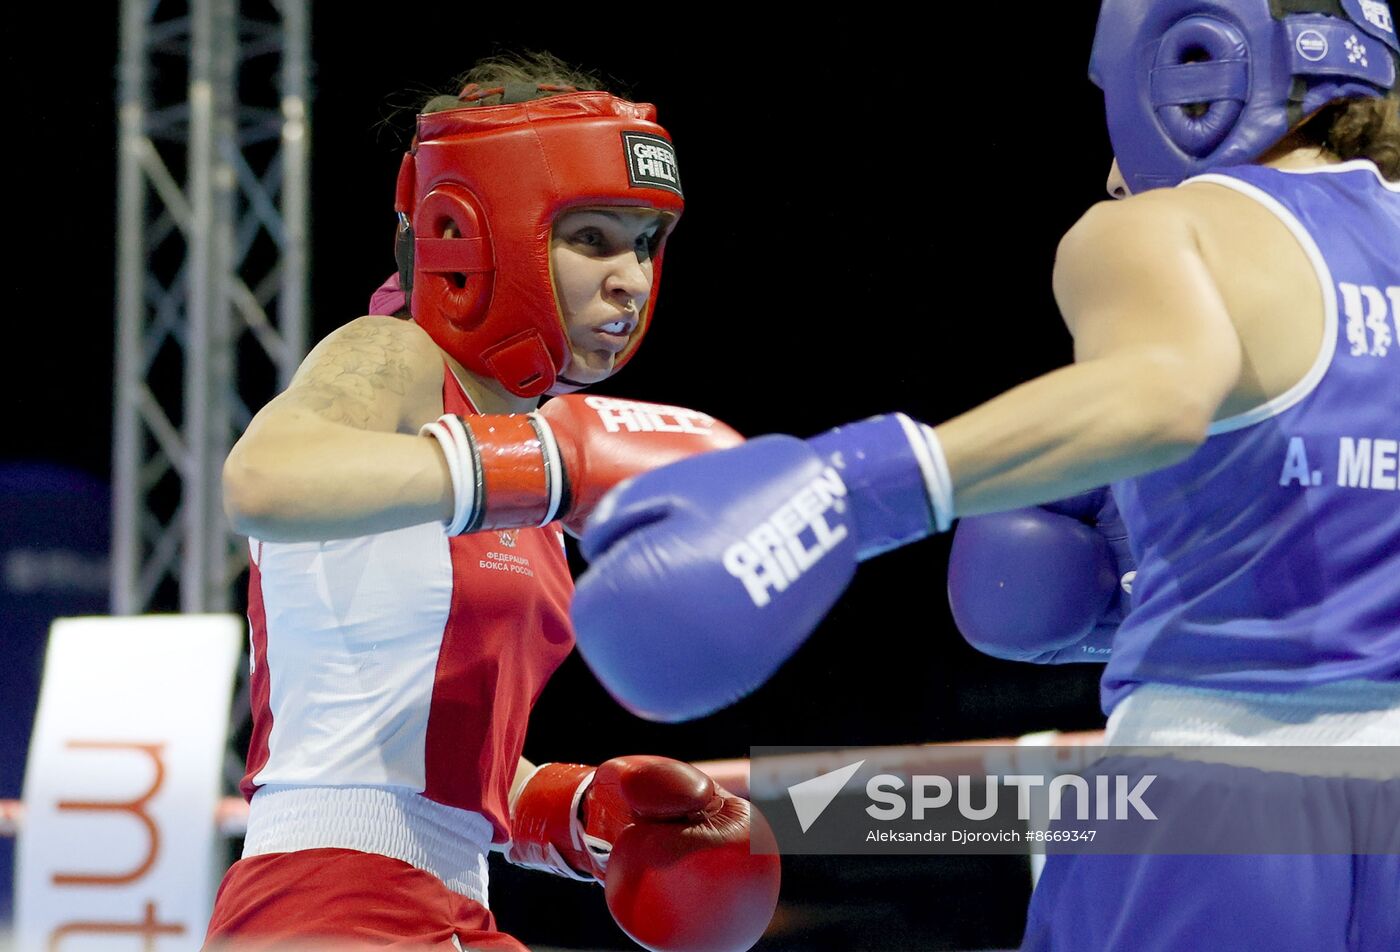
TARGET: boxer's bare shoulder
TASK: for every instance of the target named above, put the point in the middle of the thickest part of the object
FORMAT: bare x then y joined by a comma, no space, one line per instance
374,373
1268,282
1248,275
1130,282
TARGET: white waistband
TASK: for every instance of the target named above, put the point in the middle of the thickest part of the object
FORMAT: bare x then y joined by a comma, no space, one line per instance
445,841
1343,714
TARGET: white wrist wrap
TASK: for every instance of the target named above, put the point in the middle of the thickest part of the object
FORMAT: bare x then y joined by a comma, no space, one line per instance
461,458
553,466
937,479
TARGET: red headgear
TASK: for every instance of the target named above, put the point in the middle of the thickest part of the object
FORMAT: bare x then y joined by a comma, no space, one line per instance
501,175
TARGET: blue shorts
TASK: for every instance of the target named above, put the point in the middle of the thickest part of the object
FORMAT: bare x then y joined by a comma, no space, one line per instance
1160,899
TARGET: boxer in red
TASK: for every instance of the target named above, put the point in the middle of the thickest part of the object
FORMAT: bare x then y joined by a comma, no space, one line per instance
409,587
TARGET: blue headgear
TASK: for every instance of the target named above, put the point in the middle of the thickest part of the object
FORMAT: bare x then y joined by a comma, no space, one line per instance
1257,67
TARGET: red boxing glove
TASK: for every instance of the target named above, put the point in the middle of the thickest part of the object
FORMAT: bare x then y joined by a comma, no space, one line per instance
671,848
515,470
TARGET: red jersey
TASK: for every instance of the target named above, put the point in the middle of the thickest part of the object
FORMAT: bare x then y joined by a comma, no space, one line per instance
404,660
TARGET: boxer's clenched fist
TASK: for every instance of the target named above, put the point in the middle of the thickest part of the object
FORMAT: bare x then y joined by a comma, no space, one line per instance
1047,584
686,865
706,575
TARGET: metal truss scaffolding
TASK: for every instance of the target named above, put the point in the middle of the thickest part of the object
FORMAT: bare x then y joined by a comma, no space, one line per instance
211,275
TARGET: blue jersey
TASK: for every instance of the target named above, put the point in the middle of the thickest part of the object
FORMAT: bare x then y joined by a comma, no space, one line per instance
1270,559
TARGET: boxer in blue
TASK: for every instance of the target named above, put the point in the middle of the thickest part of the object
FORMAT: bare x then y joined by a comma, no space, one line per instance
1236,319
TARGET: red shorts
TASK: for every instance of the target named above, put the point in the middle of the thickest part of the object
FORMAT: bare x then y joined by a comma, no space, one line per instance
344,899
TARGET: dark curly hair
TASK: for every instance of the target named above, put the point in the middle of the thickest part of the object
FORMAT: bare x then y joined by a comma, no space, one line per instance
1358,129
539,69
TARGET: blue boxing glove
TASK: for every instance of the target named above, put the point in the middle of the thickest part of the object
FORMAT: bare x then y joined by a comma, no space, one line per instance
707,574
1048,584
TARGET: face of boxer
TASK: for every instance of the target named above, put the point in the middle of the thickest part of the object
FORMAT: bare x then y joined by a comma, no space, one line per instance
602,265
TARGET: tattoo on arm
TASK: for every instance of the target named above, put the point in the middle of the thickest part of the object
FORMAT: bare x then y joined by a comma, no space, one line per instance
349,378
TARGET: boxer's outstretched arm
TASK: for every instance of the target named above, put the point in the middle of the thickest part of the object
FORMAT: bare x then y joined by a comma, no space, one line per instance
1156,356
707,575
335,455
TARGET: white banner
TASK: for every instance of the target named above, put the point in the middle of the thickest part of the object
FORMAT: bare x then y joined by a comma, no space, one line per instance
118,849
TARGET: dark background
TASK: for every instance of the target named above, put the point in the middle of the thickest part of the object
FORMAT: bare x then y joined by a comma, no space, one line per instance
872,210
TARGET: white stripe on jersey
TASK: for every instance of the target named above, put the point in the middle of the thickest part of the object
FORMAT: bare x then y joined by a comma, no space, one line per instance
1326,350
354,628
